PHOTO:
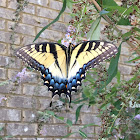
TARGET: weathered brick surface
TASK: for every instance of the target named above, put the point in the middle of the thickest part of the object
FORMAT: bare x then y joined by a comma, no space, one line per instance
88,131
22,102
3,3
125,49
6,13
67,18
3,102
36,90
12,4
3,48
21,129
23,29
2,125
90,118
40,2
5,37
50,34
30,9
54,130
66,116
37,139
48,13
44,103
125,69
10,88
10,115
2,73
29,116
12,138
59,27
25,40
56,5
35,21
2,24
68,139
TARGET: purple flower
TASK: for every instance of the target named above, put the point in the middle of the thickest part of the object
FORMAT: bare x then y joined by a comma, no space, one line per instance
137,117
64,42
67,35
3,98
21,76
71,29
43,132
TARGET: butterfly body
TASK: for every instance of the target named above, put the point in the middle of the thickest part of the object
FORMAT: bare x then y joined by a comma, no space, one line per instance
64,68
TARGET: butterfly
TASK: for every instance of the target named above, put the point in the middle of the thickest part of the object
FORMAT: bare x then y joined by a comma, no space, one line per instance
63,68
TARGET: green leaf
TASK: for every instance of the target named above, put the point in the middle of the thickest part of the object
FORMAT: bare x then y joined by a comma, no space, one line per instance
124,21
92,100
113,67
69,134
59,117
117,104
78,112
127,35
79,101
56,19
87,125
103,12
50,113
1,128
136,29
59,41
132,79
94,33
109,3
114,112
135,59
86,91
69,122
84,135
69,4
118,76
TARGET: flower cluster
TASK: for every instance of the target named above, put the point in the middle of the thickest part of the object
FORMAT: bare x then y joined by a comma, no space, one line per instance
3,98
69,36
21,76
137,117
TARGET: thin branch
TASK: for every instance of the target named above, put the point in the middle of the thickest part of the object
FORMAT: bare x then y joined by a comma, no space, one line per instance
110,22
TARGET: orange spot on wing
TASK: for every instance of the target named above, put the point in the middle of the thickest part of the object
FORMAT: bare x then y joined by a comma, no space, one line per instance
44,75
66,86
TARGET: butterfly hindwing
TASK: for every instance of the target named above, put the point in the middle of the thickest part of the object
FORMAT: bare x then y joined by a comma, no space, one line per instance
50,59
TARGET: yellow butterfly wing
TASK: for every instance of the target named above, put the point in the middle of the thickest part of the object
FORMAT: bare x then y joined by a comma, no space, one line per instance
85,55
50,59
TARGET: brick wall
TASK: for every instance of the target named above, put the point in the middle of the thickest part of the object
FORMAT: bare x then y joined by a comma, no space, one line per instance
18,114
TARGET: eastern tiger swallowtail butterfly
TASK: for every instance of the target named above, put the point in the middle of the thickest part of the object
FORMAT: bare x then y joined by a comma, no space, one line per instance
63,68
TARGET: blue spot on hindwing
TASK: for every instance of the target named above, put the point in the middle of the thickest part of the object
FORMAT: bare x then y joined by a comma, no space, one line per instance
74,82
56,86
78,76
62,86
52,82
48,77
69,86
